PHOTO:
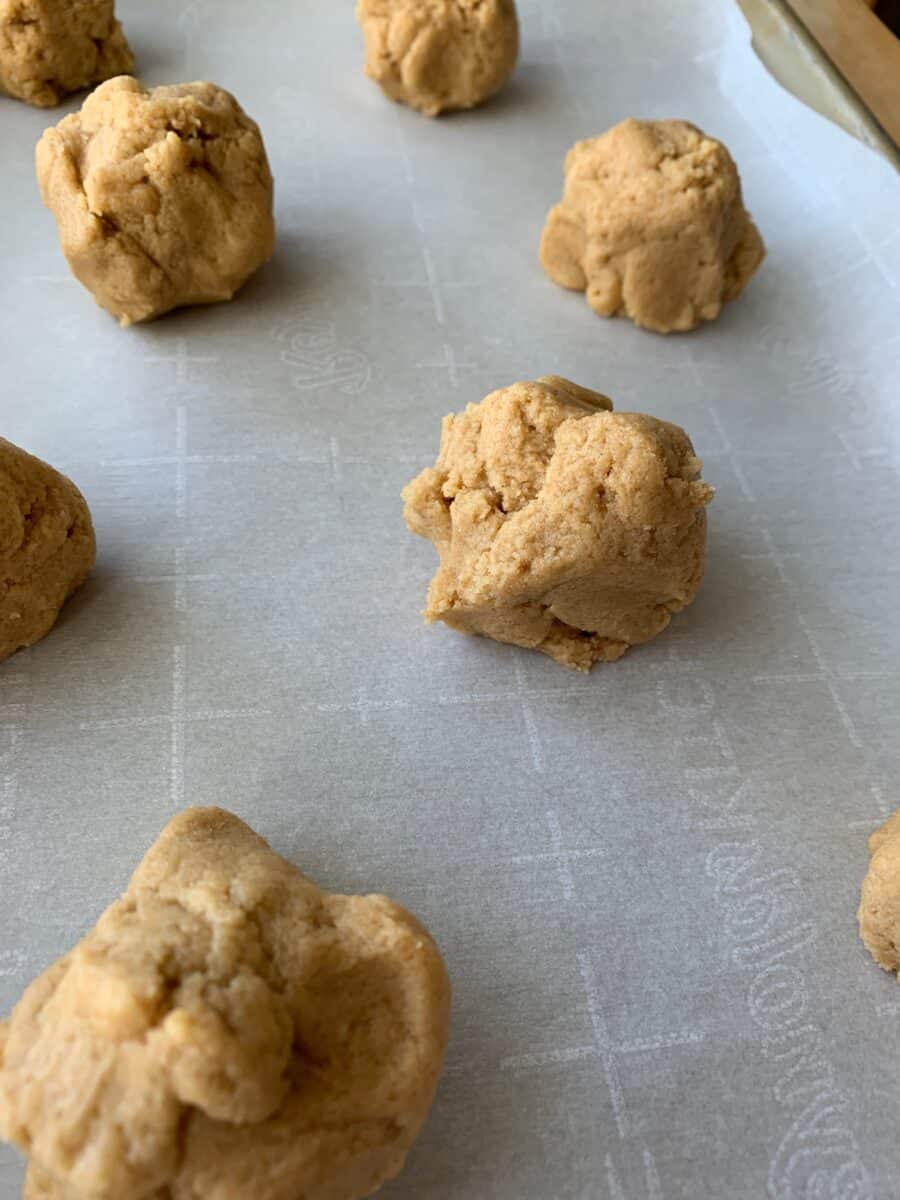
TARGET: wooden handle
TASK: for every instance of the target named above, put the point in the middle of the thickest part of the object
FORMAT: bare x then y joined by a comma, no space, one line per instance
864,51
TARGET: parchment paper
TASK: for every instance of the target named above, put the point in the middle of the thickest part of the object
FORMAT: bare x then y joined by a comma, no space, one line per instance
644,881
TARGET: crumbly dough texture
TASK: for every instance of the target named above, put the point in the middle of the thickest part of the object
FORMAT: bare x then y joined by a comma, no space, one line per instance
652,226
879,907
560,525
47,546
226,1030
49,48
163,198
437,55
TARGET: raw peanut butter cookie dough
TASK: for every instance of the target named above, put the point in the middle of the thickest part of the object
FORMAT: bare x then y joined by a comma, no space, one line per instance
560,525
163,198
47,546
437,55
49,48
879,908
227,1030
652,226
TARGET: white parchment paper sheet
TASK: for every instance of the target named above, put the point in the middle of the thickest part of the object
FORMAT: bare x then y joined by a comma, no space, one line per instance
644,881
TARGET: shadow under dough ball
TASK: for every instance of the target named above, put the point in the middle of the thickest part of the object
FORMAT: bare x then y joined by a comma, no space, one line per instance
163,197
49,48
439,55
226,1030
561,526
652,226
47,546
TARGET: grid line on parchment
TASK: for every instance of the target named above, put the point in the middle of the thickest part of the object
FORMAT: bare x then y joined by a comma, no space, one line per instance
559,855
603,1047
449,363
826,675
364,705
179,717
832,678
651,1178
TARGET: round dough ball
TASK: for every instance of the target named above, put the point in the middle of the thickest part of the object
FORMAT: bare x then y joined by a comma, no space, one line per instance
163,198
652,226
227,1029
560,525
49,49
437,55
879,908
47,546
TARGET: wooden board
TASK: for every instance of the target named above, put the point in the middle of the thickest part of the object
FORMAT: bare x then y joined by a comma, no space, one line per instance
863,49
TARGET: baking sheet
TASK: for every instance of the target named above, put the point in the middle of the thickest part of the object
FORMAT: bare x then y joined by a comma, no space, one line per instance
644,881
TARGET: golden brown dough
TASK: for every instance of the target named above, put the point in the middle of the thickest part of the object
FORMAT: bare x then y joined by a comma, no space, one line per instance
561,526
879,908
652,226
163,198
437,55
47,546
49,48
226,1030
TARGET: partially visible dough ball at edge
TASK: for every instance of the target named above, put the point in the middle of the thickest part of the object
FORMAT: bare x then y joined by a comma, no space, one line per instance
260,1036
442,55
49,50
879,907
47,546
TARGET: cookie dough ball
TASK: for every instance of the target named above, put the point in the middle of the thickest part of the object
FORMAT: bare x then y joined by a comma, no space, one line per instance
560,525
879,908
440,54
652,226
47,546
227,1029
49,49
163,198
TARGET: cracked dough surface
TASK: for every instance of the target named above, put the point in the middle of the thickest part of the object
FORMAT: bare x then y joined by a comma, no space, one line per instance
560,525
49,48
879,907
437,55
47,546
652,226
226,1030
163,198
